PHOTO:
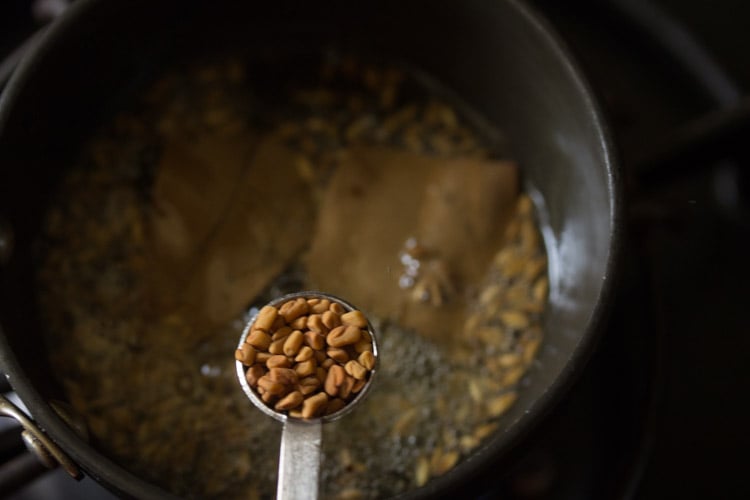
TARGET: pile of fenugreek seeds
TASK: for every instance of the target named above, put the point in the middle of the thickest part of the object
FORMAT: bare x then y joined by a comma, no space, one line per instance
309,357
145,286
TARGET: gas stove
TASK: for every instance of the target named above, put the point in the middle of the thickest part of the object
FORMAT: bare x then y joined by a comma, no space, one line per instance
657,412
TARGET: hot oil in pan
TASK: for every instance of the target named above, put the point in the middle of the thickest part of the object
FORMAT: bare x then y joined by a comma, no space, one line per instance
214,192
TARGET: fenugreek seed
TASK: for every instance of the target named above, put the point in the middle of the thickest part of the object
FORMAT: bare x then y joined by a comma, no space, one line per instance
315,324
334,379
246,354
532,306
305,168
499,405
485,430
308,385
266,316
508,360
337,308
238,355
444,462
314,405
295,414
540,290
356,370
365,335
367,359
514,319
503,257
358,385
305,368
321,374
363,345
293,309
514,264
343,335
530,350
404,422
321,307
345,390
475,391
345,457
291,400
254,373
512,376
271,386
489,294
293,343
336,331
299,323
281,333
524,205
512,230
278,361
331,319
447,116
518,293
268,397
468,443
259,339
261,357
529,236
490,335
337,354
335,405
285,376
304,354
277,346
354,318
534,268
328,363
422,471
315,340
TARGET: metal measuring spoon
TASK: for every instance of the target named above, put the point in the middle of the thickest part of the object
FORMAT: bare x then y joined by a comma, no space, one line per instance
299,454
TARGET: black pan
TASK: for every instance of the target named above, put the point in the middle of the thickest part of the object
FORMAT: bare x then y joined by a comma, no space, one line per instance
498,56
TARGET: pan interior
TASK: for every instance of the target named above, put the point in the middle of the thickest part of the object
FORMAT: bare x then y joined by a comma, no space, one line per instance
494,57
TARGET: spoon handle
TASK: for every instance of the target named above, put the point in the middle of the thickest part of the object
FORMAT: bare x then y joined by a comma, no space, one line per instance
299,460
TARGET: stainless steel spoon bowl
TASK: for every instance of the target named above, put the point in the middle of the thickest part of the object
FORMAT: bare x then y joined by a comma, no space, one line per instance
299,454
